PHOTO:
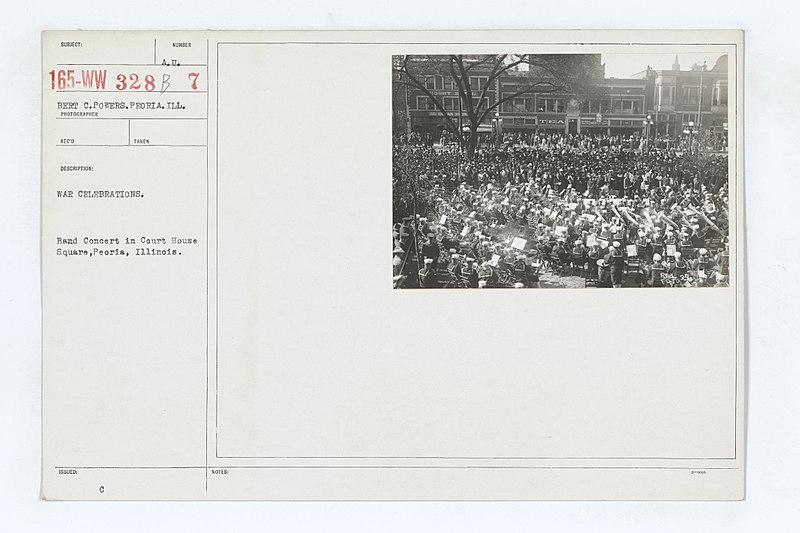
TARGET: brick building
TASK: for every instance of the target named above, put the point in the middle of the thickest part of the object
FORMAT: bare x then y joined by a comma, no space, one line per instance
652,102
678,97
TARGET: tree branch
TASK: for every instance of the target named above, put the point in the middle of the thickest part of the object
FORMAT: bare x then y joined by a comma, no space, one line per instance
532,89
418,85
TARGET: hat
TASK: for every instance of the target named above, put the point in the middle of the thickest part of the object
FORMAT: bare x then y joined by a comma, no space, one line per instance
677,255
601,262
428,260
656,257
455,256
519,285
616,244
579,241
398,251
481,284
702,251
452,250
430,234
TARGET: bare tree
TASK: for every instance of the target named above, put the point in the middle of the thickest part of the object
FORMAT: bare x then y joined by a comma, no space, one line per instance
549,73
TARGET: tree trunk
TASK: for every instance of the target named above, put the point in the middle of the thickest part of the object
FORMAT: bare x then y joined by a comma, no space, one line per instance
472,142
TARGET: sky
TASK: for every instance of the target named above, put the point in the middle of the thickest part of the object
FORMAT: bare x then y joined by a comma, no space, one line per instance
625,65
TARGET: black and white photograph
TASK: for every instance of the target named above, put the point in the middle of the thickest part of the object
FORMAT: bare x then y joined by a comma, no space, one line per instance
601,170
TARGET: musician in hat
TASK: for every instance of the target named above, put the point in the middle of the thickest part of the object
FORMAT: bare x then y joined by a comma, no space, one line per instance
641,244
578,255
430,250
469,272
680,266
401,282
669,238
397,261
686,246
454,265
604,273
427,275
616,260
656,272
618,230
656,244
425,229
703,263
405,237
485,273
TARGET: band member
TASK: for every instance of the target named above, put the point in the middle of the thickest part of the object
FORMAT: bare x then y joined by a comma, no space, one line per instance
424,228
427,275
656,244
485,273
669,238
616,260
470,273
656,272
520,269
618,230
680,266
603,274
430,250
400,282
397,261
454,266
686,246
592,255
703,262
578,255
641,244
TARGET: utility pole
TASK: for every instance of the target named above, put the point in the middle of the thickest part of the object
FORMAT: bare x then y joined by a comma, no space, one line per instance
700,99
408,114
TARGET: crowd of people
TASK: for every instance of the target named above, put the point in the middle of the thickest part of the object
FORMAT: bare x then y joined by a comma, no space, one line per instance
601,209
701,141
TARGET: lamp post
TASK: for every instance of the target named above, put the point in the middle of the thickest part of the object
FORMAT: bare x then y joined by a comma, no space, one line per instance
497,128
690,131
648,123
700,98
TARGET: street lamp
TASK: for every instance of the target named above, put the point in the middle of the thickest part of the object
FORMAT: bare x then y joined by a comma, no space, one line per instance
497,127
691,132
647,123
